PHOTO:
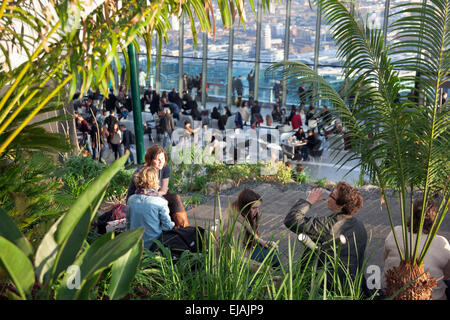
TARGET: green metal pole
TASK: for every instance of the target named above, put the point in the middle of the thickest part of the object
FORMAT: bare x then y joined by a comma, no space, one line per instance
136,103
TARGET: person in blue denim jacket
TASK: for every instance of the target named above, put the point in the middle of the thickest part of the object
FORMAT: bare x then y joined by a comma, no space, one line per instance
146,208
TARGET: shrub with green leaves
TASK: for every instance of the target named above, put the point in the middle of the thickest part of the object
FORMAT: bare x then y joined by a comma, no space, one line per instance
78,172
30,193
64,265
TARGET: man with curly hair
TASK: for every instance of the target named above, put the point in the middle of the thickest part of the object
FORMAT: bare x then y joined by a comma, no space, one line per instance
344,201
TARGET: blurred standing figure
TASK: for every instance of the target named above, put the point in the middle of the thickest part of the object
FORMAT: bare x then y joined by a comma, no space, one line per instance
443,98
168,125
276,115
245,113
239,90
142,78
116,140
251,82
127,141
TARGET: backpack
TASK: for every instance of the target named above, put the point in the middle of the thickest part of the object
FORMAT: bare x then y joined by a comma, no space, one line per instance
182,239
112,220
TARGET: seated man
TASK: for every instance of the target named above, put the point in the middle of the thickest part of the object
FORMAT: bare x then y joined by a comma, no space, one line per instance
146,208
344,201
307,149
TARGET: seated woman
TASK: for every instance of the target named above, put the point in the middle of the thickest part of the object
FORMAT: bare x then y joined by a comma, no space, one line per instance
241,220
344,201
437,260
215,114
300,135
188,129
156,157
146,208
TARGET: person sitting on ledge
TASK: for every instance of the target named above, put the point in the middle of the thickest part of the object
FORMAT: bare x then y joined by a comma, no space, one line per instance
156,157
241,221
146,208
344,202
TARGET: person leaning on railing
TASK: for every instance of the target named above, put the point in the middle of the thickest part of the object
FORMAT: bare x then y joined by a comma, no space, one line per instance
344,202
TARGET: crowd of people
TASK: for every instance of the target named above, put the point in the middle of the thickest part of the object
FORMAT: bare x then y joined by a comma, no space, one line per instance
98,130
99,127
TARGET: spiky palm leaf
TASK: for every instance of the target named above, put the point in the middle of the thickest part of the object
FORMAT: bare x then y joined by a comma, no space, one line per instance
403,144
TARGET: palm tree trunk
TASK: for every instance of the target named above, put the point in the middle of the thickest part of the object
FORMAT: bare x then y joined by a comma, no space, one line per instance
409,282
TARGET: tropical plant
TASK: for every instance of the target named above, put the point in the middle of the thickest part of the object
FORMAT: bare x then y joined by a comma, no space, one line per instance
400,142
78,172
49,48
65,266
31,194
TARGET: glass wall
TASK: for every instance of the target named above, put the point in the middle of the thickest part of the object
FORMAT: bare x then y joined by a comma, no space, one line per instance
217,63
302,32
301,47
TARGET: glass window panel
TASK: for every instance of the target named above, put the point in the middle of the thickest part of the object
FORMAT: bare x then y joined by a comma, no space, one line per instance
302,32
217,79
171,48
217,62
190,49
333,75
391,33
272,33
267,82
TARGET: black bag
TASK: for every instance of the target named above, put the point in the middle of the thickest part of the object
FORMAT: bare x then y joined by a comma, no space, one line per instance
102,221
182,239
117,212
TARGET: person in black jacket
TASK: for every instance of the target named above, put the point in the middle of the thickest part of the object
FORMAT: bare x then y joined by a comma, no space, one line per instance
174,97
344,202
111,102
111,120
155,104
276,114
215,114
189,105
195,113
127,141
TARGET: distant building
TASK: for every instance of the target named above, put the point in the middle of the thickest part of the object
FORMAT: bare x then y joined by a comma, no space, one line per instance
175,23
267,37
